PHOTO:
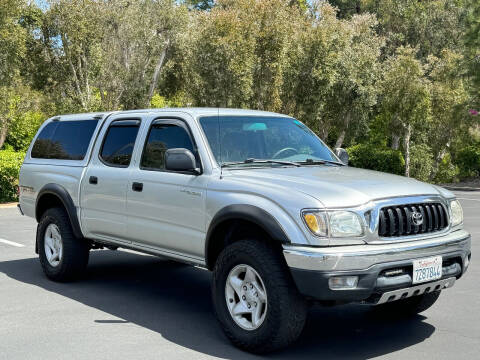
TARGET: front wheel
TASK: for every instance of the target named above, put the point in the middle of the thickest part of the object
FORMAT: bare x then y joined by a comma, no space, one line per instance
255,299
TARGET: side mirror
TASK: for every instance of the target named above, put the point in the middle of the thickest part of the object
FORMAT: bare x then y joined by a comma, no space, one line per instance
342,155
181,160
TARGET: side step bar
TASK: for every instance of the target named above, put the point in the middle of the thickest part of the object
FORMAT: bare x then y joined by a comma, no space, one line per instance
416,290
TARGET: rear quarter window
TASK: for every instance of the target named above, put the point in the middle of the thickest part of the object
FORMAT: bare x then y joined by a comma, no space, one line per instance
64,140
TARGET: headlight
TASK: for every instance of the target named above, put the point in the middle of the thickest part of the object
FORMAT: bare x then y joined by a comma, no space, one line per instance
345,223
336,223
457,213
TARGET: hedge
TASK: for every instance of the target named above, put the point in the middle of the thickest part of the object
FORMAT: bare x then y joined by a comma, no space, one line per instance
468,160
10,162
376,157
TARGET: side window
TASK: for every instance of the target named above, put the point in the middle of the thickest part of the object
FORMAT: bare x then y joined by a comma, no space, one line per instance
64,140
119,142
161,138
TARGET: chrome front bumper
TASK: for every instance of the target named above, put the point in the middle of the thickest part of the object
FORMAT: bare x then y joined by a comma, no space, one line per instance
362,257
313,268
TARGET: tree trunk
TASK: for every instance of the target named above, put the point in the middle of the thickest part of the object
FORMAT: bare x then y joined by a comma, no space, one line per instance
156,73
340,139
3,133
406,140
395,142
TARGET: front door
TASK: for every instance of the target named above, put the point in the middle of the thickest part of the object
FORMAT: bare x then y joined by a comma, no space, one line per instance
166,209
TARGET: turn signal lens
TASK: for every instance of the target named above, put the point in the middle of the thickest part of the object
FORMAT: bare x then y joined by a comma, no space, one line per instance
316,222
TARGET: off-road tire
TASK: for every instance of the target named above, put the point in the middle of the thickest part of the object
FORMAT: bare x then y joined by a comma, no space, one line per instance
75,251
286,309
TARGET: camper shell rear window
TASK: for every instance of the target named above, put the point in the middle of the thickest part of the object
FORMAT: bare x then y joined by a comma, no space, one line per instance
64,140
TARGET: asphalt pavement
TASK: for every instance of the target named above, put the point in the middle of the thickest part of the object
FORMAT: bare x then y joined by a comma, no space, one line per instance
132,306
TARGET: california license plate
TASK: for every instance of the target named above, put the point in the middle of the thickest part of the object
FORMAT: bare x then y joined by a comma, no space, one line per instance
427,269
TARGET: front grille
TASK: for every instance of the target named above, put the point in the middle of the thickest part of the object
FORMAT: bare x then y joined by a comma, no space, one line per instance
397,220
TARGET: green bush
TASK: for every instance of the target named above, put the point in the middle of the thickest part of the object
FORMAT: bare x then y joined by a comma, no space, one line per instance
376,157
421,162
447,172
23,128
468,160
10,162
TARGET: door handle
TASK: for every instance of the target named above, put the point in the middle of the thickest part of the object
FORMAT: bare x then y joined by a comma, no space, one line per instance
93,180
136,186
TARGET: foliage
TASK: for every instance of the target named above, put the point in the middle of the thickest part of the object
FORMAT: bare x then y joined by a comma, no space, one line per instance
422,163
23,129
472,49
446,172
401,74
468,159
376,157
406,99
10,163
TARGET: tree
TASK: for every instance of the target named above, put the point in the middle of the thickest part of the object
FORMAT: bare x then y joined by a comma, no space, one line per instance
427,26
406,99
76,28
275,23
223,58
354,93
12,52
312,69
472,42
134,57
449,97
333,72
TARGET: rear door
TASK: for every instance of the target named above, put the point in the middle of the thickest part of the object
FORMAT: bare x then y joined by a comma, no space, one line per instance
104,185
166,209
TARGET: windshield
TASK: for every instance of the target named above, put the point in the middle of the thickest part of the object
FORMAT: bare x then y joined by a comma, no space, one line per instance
244,138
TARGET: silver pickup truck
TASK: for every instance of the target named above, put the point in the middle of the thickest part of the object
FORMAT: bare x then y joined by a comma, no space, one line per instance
253,196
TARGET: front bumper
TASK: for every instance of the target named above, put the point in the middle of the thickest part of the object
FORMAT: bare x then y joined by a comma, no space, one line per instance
312,268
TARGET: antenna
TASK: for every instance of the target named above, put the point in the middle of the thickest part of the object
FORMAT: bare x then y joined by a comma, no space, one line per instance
219,142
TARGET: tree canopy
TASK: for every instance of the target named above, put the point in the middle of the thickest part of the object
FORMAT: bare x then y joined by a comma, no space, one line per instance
399,75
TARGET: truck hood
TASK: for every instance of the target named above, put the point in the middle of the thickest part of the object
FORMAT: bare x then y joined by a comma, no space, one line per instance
335,186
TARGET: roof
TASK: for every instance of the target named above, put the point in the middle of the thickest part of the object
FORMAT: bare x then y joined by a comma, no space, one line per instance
195,112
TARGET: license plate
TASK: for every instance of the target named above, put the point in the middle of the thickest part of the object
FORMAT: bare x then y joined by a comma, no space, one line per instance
427,269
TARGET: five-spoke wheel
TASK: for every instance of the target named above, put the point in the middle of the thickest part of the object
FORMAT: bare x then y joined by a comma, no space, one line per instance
246,297
53,245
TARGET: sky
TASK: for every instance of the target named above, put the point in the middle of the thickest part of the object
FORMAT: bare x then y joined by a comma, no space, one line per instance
42,4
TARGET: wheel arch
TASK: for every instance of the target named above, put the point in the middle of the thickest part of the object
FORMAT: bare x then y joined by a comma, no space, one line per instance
233,222
54,195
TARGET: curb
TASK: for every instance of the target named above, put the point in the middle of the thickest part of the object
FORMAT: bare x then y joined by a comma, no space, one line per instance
8,205
461,188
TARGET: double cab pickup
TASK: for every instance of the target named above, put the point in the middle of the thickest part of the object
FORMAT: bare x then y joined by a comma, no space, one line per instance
255,197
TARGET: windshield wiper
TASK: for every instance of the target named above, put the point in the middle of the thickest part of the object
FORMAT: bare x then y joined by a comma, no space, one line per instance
258,161
319,162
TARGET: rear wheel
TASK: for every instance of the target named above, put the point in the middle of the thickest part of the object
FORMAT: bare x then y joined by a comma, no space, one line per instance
62,255
255,299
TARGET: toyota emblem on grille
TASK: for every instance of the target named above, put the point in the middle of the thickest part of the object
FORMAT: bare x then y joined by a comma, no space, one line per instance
417,218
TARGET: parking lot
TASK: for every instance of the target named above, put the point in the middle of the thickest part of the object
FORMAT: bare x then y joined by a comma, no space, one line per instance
131,306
